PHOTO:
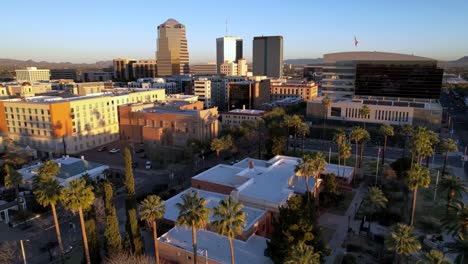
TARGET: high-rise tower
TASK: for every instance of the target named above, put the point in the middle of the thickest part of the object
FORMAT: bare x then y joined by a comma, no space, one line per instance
228,49
268,56
172,52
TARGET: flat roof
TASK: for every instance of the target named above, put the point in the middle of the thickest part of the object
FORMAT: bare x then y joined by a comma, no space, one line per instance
252,215
251,251
397,102
246,111
371,55
224,175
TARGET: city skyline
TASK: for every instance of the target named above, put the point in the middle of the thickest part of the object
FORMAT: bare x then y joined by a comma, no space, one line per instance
96,32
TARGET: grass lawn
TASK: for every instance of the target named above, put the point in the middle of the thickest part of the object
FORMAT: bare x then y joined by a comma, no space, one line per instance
343,205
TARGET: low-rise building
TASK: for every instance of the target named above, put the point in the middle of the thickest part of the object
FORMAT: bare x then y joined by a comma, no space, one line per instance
228,68
63,74
32,74
251,94
202,69
145,69
237,116
96,76
281,88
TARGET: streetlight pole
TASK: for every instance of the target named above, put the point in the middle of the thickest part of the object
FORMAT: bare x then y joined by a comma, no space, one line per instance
22,251
437,183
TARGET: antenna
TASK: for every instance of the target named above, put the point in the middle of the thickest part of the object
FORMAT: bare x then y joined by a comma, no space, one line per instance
226,28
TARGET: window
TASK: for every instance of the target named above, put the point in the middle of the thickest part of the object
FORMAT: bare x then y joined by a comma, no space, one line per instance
336,111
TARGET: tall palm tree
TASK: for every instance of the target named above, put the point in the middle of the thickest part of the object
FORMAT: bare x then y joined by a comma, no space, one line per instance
373,202
434,257
407,131
364,112
288,122
357,134
386,131
417,176
79,196
304,254
303,130
448,145
403,241
47,191
193,214
454,186
366,137
326,102
297,121
345,153
456,223
339,138
231,220
421,145
152,209
13,179
459,247
311,166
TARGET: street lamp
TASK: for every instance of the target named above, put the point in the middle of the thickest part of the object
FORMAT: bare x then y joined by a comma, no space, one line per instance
22,250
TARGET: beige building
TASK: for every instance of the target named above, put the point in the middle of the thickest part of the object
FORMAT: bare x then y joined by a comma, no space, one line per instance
237,116
201,69
56,125
202,89
242,67
123,69
26,89
228,68
172,51
32,74
168,124
145,69
280,89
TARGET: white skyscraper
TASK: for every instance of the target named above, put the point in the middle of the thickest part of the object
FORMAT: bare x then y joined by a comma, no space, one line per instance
228,49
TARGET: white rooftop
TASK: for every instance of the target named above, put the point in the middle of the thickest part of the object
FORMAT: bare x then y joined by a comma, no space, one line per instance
252,215
247,111
250,251
223,174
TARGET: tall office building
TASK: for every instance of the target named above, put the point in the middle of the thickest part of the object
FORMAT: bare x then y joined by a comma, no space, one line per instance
172,52
123,69
145,69
228,49
268,56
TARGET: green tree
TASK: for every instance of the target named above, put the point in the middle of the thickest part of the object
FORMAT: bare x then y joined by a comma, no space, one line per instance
456,223
113,239
193,214
434,257
133,237
13,179
454,186
152,209
417,176
303,130
93,239
326,102
231,220
345,153
406,131
366,137
78,197
288,123
301,253
47,191
357,135
220,144
373,202
364,112
402,241
386,131
340,139
278,145
460,248
311,166
421,145
447,146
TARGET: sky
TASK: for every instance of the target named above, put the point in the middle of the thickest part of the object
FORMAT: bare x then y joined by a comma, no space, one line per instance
88,31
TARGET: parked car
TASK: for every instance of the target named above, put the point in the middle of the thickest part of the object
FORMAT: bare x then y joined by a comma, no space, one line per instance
101,149
148,165
114,150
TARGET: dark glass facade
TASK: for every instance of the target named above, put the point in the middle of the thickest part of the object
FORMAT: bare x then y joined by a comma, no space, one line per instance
240,95
399,79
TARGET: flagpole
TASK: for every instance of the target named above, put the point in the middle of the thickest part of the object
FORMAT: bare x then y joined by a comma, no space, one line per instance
377,165
437,183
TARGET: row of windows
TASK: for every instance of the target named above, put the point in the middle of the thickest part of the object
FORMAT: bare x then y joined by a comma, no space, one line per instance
354,113
30,131
291,91
35,119
392,115
31,125
29,110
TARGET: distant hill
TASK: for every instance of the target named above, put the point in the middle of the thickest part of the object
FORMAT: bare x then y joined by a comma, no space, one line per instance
460,63
10,64
303,61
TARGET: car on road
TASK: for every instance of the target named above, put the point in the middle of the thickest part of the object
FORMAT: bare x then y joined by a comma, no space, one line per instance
101,149
148,165
114,150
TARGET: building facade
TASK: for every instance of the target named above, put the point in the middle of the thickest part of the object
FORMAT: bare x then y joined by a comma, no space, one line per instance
96,76
201,69
63,74
268,56
228,68
242,67
202,89
251,94
145,69
123,69
237,116
32,74
228,49
172,52
281,88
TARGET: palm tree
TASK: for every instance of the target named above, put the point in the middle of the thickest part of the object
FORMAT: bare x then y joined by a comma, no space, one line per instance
434,257
417,176
366,137
152,209
289,122
231,220
339,138
78,197
13,179
456,223
345,153
193,213
304,254
297,121
386,131
373,202
459,247
326,102
311,166
448,145
303,130
364,112
406,131
357,134
47,191
403,241
454,186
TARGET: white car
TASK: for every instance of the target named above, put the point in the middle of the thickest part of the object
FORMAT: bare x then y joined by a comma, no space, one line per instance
148,165
114,150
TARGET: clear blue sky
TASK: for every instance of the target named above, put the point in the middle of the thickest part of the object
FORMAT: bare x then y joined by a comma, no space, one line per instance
87,31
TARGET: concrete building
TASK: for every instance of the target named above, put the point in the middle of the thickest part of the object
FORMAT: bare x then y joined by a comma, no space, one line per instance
268,56
242,67
228,49
96,76
219,89
237,116
204,69
145,69
123,69
251,94
168,124
172,52
57,125
228,68
202,89
281,88
32,74
63,74
26,89
88,88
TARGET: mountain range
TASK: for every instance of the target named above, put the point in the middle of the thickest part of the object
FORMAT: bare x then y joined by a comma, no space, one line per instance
11,64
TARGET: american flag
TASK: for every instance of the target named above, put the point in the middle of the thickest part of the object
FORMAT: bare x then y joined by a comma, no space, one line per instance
355,41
